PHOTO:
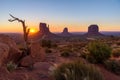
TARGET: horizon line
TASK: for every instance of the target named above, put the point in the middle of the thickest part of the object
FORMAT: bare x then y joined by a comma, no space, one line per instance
61,32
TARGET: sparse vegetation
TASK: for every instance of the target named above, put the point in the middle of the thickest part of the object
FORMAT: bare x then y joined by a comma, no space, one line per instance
113,66
84,52
11,66
76,71
48,50
46,43
65,54
54,45
116,52
118,43
99,51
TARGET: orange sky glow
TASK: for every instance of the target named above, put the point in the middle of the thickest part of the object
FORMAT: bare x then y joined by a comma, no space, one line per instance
17,27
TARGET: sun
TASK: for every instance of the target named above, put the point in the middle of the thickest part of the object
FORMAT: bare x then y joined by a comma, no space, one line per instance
32,30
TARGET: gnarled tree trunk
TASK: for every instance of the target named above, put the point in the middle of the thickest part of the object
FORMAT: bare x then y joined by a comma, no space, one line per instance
25,32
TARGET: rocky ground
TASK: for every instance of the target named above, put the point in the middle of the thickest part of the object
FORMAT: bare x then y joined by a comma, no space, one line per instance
41,61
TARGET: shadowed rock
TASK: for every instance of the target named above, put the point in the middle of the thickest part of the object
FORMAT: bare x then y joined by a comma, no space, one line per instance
4,52
37,52
14,53
27,61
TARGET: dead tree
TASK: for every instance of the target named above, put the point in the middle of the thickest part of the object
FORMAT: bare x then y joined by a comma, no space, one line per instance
25,32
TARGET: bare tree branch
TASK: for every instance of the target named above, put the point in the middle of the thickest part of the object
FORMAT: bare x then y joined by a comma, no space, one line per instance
15,19
28,30
25,30
10,20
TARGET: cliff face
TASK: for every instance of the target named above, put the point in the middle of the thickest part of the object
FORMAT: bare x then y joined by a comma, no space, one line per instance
93,30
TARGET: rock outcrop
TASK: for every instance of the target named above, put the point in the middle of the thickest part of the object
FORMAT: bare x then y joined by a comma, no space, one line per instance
4,52
93,31
37,52
65,32
37,55
27,61
10,48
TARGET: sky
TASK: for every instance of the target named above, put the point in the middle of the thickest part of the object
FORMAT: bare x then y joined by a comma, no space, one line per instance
77,15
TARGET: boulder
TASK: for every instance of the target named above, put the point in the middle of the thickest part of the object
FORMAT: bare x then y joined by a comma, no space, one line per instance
4,52
27,61
37,52
14,52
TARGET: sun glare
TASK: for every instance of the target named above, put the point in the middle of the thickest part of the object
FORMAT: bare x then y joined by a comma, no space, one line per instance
32,30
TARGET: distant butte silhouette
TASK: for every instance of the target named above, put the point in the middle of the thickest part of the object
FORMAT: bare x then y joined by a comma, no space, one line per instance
43,28
44,32
65,32
93,31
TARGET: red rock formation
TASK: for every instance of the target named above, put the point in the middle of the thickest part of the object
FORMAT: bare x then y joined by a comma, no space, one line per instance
37,52
44,33
4,52
37,55
93,31
27,61
14,53
43,28
65,32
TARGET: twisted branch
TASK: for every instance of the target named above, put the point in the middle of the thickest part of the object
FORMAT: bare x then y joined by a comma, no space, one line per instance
25,30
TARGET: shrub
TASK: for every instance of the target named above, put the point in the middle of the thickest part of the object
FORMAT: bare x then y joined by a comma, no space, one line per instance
116,52
113,66
11,66
54,45
76,71
46,43
118,43
99,51
65,54
48,50
84,52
